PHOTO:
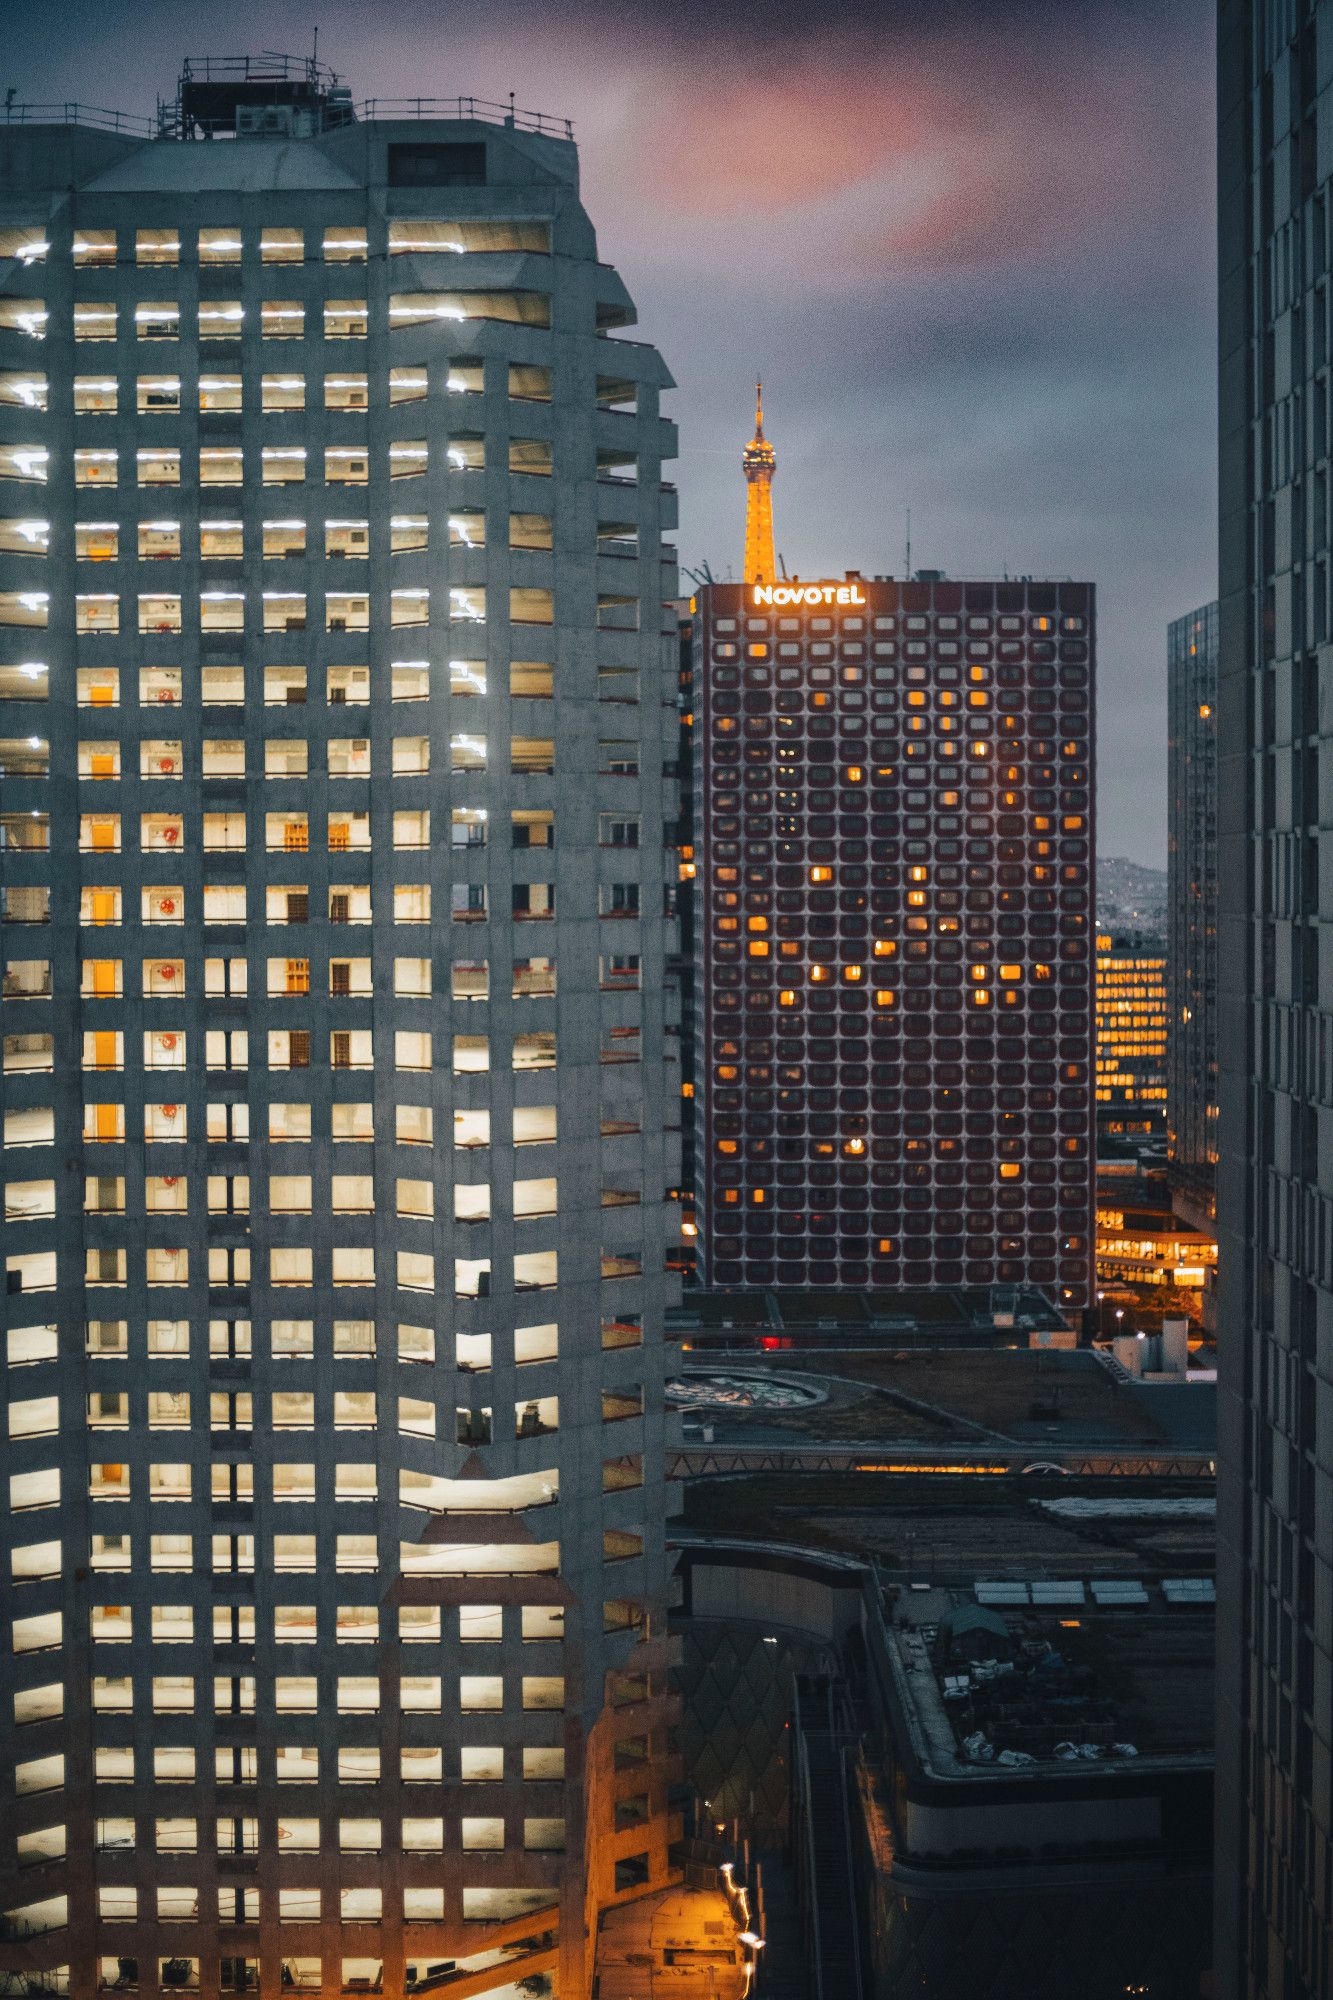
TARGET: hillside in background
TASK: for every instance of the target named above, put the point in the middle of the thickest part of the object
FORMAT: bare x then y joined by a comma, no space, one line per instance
1129,896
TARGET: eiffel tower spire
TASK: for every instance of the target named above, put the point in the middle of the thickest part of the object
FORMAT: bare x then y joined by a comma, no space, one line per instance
759,462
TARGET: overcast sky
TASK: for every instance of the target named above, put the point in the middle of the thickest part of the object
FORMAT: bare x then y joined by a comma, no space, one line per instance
967,243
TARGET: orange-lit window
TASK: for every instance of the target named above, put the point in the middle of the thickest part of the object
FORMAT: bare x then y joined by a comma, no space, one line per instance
885,999
821,874
885,947
855,775
295,836
852,973
1011,972
298,975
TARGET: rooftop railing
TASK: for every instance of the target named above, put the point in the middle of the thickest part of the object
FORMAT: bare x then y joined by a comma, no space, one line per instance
477,109
471,110
95,115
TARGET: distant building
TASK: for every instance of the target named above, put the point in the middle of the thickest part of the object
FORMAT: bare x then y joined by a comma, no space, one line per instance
1142,1241
1038,1805
893,811
1191,1089
1010,1793
1131,1036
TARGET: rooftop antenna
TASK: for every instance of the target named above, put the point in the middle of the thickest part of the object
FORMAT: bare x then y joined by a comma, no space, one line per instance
314,55
908,571
782,564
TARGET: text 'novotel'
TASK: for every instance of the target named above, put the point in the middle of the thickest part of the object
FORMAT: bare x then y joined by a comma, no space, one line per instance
808,593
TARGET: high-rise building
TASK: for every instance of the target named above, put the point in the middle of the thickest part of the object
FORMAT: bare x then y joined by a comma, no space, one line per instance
1131,1035
334,1082
1275,1010
759,463
1191,957
894,934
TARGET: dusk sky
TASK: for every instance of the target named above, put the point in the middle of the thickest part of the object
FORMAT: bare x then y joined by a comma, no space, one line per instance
967,243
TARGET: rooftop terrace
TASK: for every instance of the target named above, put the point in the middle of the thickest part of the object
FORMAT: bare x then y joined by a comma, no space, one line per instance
1000,1692
211,88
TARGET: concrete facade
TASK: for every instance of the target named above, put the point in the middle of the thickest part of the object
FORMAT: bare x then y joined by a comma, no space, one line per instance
339,1060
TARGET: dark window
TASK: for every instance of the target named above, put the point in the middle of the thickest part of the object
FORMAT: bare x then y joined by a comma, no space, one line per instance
456,164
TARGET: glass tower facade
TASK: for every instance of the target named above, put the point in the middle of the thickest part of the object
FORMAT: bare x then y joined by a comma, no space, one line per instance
1275,1008
335,1076
1191,956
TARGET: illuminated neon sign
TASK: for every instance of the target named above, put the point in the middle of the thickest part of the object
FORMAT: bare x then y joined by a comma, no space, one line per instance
808,593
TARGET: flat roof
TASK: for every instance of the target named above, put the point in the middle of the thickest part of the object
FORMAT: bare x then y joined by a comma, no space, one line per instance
1088,1688
880,1314
948,1530
1040,1400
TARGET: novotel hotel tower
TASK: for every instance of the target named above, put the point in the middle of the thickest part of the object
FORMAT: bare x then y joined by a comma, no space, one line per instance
894,845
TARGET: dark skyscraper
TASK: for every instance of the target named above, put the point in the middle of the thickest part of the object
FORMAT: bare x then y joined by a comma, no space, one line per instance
894,934
1191,958
1275,1014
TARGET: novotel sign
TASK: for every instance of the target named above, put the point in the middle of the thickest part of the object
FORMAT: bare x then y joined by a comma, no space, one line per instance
813,594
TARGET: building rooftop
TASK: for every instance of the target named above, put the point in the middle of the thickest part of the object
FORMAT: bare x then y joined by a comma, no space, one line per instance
953,1527
809,1316
994,1692
1037,1400
225,97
